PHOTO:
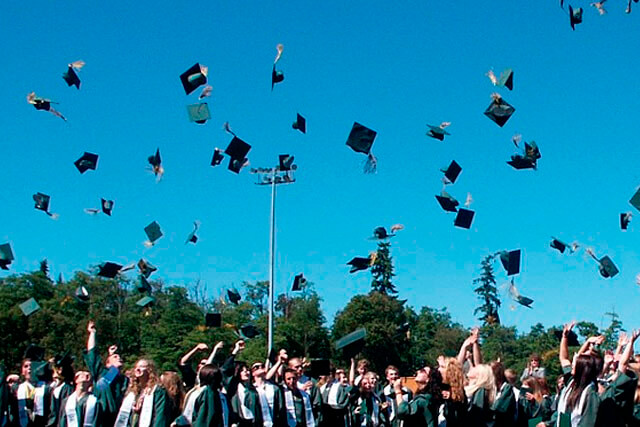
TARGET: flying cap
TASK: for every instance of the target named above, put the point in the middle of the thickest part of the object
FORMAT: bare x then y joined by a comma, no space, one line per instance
353,343
42,202
194,77
437,132
109,270
277,76
635,200
298,282
300,123
29,307
82,294
213,320
320,367
156,164
249,331
107,206
33,352
499,111
360,263
361,140
145,301
234,296
217,157
625,218
511,261
237,149
515,294
506,79
199,113
153,232
380,233
146,268
572,337
86,162
43,104
575,17
192,237
6,256
144,286
559,245
285,162
607,267
447,202
452,172
70,76
464,218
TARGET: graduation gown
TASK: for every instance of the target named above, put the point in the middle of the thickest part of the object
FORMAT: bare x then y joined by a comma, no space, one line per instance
81,411
479,411
4,398
300,411
188,375
208,410
532,409
109,387
58,394
421,411
456,412
335,413
161,412
617,401
42,405
314,394
389,395
251,402
277,407
504,406
22,408
590,407
370,413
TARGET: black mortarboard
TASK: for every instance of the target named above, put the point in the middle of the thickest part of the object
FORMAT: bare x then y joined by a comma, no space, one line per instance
635,200
276,76
213,320
452,172
107,206
86,162
153,232
361,140
319,367
237,149
359,263
234,296
144,285
192,237
42,202
71,77
63,360
300,124
506,79
524,301
607,267
155,160
236,165
499,110
380,233
145,301
82,294
217,157
575,16
352,343
298,282
33,352
193,78
464,218
6,256
146,268
273,356
625,218
437,132
43,104
285,162
199,113
249,331
559,245
447,202
519,162
29,307
40,371
511,261
109,270
572,337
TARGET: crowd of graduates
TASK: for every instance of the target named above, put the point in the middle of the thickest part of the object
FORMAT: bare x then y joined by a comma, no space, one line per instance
597,389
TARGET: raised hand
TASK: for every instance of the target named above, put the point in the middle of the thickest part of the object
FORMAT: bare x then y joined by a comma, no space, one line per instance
202,346
91,327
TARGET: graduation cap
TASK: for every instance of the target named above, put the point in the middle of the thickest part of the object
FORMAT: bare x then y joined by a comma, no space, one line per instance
438,132
43,104
575,16
353,343
153,233
192,237
107,206
249,331
635,200
33,352
70,76
213,320
515,294
40,371
511,261
144,286
285,162
237,150
194,77
300,123
82,294
63,360
361,140
319,367
464,218
199,113
277,76
452,172
145,301
447,202
606,266
156,164
625,218
29,307
42,202
234,296
359,263
86,162
217,157
6,256
561,246
109,270
499,110
380,233
572,337
146,268
298,282
506,79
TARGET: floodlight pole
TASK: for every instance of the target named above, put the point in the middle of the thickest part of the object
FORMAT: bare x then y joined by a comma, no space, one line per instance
273,176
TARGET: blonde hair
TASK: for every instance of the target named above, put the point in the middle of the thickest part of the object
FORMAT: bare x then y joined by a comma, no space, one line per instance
484,379
455,378
153,379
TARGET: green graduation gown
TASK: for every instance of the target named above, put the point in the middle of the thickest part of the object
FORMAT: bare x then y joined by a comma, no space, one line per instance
58,394
81,406
161,414
504,406
336,414
616,402
208,410
479,412
421,411
109,393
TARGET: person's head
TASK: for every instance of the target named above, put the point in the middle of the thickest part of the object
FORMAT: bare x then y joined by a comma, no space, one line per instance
145,375
295,363
511,376
532,384
481,376
586,369
543,385
368,383
434,383
258,370
242,372
113,360
454,377
291,378
391,373
559,383
534,361
201,363
25,369
498,374
172,383
363,366
341,376
82,380
210,375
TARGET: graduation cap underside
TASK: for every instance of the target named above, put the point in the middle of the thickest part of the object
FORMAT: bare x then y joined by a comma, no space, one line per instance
499,111
199,113
6,256
361,138
145,301
511,261
109,270
437,132
86,162
359,263
213,320
447,202
607,267
464,218
193,78
29,307
153,231
352,343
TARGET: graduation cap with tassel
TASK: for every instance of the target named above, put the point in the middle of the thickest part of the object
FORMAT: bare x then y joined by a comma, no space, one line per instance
561,246
515,295
505,79
42,202
361,140
70,76
276,75
43,104
155,162
605,264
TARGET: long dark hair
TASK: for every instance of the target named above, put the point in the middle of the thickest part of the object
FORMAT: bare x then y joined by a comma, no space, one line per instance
498,374
433,386
585,373
210,375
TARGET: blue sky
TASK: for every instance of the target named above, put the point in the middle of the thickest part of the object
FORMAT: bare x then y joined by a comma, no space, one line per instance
393,68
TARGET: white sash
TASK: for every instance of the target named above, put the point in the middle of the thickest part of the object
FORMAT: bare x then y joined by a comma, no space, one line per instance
442,421
24,391
38,399
190,401
89,411
146,413
376,412
57,390
291,408
244,411
266,392
125,410
225,409
332,399
576,414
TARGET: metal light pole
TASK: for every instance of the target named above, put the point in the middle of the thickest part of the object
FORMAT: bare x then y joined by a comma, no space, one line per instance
281,174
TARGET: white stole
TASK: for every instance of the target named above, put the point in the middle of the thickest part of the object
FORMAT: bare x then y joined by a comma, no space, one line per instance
442,421
89,410
291,408
38,399
332,399
25,391
190,401
125,410
244,411
146,413
266,392
576,414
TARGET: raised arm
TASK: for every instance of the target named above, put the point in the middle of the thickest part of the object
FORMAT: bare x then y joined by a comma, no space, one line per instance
462,354
628,351
275,370
477,351
91,340
200,347
564,345
352,371
216,348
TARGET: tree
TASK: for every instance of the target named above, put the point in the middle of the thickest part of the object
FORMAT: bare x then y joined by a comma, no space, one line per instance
612,332
382,270
433,333
587,329
487,293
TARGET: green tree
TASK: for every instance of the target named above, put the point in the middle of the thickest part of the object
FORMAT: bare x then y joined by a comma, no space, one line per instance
433,333
587,329
487,293
612,333
382,270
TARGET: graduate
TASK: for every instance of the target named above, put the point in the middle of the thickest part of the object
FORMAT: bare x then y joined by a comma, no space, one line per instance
274,411
504,405
211,408
5,392
481,395
110,384
147,402
172,383
194,392
307,384
454,407
81,407
534,402
367,408
34,392
362,368
63,375
335,401
422,410
297,402
388,393
243,397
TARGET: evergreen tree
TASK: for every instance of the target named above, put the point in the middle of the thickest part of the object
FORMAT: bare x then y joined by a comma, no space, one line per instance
612,333
382,270
487,293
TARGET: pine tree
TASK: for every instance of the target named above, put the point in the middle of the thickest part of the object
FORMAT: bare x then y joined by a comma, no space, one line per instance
612,333
382,270
487,293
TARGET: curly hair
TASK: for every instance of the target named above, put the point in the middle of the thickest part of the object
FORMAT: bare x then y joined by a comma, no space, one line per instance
455,379
173,384
136,386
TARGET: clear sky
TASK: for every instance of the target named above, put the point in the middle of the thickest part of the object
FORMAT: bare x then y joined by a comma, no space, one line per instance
393,67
